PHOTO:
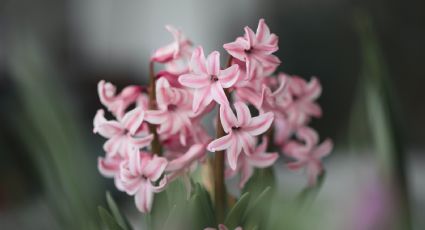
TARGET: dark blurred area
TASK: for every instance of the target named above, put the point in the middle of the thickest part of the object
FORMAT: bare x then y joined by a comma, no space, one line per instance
53,53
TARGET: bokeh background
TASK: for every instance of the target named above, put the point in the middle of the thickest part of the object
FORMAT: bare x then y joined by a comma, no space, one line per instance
53,53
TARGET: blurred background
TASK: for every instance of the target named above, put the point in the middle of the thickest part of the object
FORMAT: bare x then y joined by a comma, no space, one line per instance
368,55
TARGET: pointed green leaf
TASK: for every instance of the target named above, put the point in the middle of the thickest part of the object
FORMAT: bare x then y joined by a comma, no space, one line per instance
201,208
159,211
108,219
236,214
257,209
121,220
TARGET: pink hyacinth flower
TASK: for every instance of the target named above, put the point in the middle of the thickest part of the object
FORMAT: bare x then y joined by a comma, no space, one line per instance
278,102
117,104
242,132
222,227
305,94
208,79
247,163
138,175
173,50
309,153
255,49
122,135
174,110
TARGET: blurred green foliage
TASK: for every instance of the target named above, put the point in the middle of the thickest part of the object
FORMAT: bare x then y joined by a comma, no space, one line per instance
50,131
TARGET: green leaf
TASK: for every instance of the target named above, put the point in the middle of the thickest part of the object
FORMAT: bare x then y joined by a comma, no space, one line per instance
119,217
201,210
108,219
159,211
257,209
236,214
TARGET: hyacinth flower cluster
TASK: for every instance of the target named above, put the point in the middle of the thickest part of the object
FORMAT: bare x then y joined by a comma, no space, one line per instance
156,134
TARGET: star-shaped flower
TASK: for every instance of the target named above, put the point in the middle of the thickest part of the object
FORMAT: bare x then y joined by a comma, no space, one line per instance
124,134
174,111
303,105
117,104
179,47
241,131
139,175
255,49
208,79
309,153
247,163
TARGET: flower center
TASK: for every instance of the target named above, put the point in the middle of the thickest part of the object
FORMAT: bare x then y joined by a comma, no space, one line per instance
214,78
172,107
248,51
235,128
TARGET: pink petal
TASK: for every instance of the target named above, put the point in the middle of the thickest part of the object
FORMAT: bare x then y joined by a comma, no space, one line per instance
213,63
251,67
165,53
312,109
144,198
141,142
233,153
262,160
250,95
172,78
201,99
314,89
133,119
282,131
259,124
104,127
267,59
246,173
218,94
221,143
227,118
237,48
134,162
154,168
156,116
195,152
296,150
309,135
244,115
229,76
247,141
197,62
323,149
113,145
250,36
263,31
194,81
109,166
163,93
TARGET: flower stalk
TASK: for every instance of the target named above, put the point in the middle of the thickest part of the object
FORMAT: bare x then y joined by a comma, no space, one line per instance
155,145
220,194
